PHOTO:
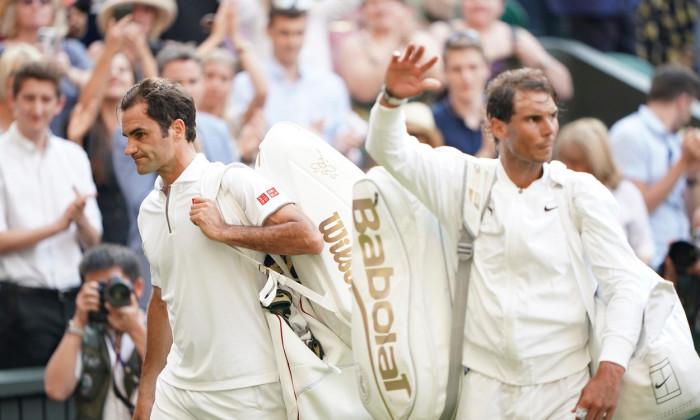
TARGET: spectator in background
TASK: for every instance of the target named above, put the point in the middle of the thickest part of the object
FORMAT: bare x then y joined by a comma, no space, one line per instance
180,63
460,114
506,47
42,23
661,159
48,213
152,18
100,356
219,71
316,51
363,57
194,21
312,98
10,61
606,25
77,13
583,146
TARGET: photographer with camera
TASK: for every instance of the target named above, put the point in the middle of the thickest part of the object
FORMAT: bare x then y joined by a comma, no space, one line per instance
99,358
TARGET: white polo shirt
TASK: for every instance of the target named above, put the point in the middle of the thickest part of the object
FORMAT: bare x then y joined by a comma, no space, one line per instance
220,336
35,190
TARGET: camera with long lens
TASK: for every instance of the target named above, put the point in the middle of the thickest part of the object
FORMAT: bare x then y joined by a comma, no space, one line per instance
683,255
114,291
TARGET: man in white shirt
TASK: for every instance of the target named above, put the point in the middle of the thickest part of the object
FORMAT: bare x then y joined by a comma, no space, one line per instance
209,353
526,327
314,98
100,356
48,213
661,157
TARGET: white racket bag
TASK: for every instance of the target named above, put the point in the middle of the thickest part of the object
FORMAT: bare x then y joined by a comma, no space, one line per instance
319,180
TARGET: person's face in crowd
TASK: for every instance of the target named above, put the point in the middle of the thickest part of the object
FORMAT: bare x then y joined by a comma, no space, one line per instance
121,77
572,156
33,14
379,15
145,142
528,138
287,36
189,74
144,15
480,13
218,78
77,22
34,106
467,73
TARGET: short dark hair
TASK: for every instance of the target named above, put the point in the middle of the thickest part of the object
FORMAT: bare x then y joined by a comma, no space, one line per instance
166,102
177,51
39,70
501,90
291,12
105,256
671,81
463,40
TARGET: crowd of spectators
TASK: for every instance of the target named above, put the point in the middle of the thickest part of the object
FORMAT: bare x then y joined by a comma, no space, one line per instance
320,64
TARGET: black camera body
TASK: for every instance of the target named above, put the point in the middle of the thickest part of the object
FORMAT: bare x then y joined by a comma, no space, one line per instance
116,292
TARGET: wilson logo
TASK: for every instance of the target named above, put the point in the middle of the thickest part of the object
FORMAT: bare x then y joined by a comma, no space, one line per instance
379,321
334,233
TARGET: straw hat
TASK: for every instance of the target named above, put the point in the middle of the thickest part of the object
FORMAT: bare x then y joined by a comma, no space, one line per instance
420,121
166,12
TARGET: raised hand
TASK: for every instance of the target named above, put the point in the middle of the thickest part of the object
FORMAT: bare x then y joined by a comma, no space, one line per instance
88,300
75,210
405,75
81,119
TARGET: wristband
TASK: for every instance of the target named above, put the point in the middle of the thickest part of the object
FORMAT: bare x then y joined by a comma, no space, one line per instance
74,329
392,100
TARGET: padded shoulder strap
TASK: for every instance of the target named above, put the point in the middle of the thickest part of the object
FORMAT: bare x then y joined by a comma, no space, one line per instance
477,184
479,177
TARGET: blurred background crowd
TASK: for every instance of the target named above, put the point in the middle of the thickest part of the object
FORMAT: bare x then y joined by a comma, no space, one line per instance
249,64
